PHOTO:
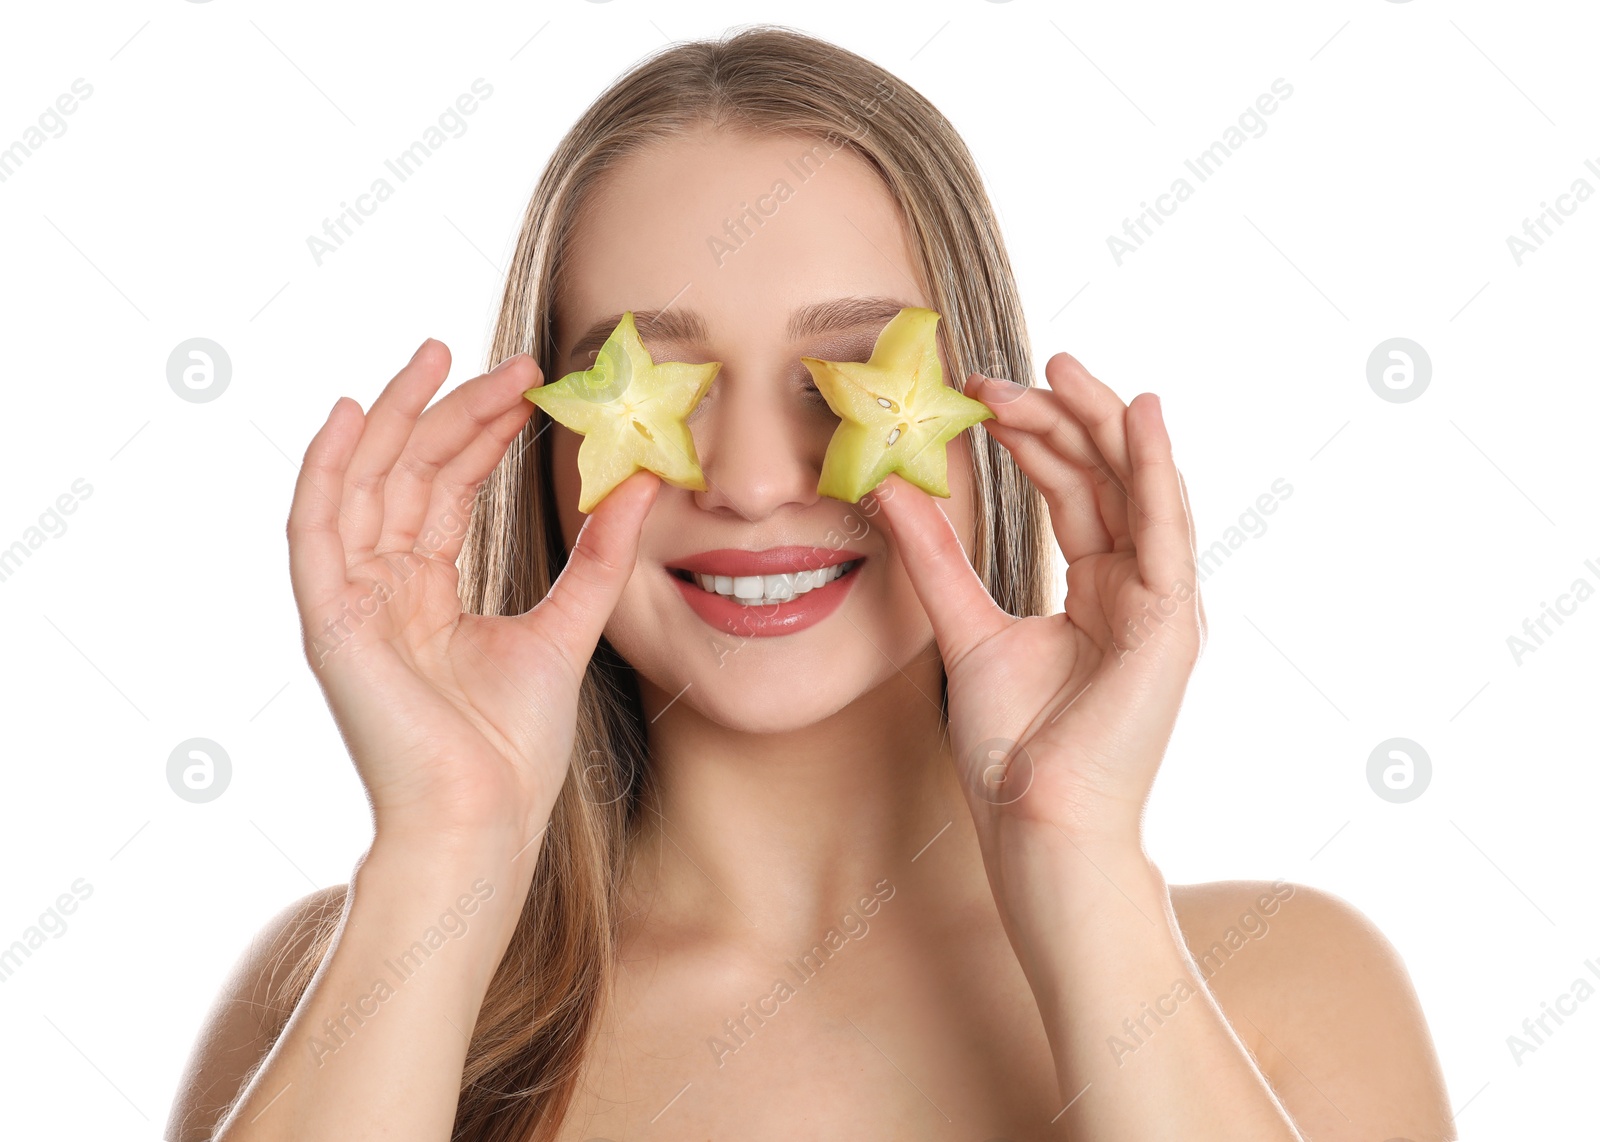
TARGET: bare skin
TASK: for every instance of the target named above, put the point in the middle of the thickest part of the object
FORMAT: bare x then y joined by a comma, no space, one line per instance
983,993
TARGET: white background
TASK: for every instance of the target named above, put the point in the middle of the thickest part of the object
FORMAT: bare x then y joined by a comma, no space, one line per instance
1377,604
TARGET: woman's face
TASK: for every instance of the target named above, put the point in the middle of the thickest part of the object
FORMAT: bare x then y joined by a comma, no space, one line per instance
760,251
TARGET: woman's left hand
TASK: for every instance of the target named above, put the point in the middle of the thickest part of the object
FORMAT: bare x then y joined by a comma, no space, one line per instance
1059,722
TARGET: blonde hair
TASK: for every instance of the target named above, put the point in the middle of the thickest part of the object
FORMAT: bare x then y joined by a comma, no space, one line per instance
543,1005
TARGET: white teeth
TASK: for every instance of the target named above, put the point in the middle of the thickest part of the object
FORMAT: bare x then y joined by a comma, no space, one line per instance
747,586
764,590
781,587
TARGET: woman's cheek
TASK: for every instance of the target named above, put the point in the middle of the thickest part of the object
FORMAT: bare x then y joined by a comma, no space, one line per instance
621,631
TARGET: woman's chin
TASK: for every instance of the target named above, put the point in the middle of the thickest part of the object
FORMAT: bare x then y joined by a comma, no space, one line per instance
747,698
771,683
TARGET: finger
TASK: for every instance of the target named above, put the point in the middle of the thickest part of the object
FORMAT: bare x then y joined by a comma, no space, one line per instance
1070,489
1101,411
1161,530
389,423
316,552
1070,494
1194,551
961,611
1046,415
443,434
456,490
1188,510
575,610
1095,406
1041,412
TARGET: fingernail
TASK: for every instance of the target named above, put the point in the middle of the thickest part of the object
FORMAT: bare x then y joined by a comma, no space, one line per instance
1004,383
503,365
421,347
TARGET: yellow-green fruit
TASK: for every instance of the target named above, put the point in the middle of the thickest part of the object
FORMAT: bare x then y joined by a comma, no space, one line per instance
631,413
896,413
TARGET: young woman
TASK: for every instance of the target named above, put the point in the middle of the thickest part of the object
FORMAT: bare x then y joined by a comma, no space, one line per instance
871,867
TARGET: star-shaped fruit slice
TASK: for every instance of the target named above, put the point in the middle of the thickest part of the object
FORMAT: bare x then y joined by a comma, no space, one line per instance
631,413
896,413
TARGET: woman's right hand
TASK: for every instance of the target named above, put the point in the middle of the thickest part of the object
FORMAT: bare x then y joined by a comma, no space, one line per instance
458,724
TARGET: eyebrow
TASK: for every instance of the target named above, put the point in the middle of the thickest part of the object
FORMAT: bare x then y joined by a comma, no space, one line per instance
685,325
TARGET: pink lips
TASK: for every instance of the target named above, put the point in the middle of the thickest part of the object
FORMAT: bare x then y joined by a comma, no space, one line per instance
757,621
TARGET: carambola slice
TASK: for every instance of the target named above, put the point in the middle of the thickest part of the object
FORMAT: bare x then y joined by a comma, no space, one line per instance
631,412
896,413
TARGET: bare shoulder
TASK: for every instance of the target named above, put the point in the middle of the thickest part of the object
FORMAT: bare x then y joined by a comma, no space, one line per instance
248,1014
1323,1001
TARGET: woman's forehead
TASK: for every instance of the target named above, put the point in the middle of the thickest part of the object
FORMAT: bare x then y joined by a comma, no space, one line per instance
743,230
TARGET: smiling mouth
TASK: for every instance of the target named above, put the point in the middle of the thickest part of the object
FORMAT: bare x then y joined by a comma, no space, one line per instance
766,590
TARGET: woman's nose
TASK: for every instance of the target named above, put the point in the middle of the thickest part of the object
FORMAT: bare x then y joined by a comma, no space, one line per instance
757,455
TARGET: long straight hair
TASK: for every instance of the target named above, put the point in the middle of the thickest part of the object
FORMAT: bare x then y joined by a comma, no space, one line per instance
545,1000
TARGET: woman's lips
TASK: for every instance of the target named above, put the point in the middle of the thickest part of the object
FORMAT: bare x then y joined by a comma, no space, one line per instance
762,620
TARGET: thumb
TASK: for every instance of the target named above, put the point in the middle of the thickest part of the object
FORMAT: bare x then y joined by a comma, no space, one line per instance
960,609
575,610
